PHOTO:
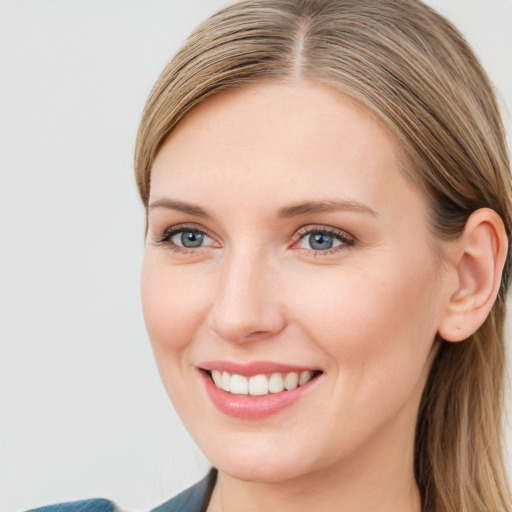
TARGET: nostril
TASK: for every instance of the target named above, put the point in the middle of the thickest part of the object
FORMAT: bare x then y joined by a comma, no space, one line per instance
257,334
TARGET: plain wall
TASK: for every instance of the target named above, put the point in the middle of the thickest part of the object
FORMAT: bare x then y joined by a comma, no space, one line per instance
82,410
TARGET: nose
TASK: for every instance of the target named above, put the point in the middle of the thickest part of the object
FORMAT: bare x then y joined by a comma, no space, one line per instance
246,306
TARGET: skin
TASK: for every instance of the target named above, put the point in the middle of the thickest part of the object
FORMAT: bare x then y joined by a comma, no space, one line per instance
365,313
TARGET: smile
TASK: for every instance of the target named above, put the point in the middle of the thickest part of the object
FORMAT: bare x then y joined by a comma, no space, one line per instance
256,390
262,384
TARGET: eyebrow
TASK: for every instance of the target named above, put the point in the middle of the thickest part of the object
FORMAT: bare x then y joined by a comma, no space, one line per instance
328,205
292,210
180,206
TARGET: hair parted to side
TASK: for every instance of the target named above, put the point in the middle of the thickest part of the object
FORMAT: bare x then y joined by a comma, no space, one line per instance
414,71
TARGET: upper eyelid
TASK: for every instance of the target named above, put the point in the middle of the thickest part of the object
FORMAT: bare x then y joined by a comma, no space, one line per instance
167,233
171,230
314,228
164,237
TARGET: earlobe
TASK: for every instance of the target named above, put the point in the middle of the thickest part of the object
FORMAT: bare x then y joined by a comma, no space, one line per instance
478,261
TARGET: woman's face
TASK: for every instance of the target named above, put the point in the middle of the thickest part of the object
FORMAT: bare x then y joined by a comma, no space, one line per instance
284,243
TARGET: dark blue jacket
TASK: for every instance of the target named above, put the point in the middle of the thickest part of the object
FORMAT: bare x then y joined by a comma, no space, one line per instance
194,499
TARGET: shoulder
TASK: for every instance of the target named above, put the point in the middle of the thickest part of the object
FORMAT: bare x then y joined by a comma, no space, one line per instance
94,505
193,499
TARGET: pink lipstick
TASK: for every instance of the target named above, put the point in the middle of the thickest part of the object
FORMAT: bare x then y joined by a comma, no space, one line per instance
257,389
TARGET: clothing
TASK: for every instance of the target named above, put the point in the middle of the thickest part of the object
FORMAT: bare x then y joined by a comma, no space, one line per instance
193,499
94,505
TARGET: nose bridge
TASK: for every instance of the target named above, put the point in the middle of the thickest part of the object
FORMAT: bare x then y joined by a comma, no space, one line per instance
246,305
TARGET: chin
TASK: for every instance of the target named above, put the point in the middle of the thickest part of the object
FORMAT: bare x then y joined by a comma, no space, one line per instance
272,470
258,457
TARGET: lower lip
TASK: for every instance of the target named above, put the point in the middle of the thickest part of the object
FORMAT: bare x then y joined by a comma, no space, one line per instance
253,407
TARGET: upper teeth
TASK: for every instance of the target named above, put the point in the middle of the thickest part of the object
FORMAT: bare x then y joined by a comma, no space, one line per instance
262,384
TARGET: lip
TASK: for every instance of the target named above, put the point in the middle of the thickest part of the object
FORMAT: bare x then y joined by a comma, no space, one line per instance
252,368
253,407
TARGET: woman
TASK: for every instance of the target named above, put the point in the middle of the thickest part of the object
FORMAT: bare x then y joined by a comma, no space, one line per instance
328,217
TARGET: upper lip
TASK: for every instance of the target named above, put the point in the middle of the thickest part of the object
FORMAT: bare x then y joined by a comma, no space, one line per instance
253,367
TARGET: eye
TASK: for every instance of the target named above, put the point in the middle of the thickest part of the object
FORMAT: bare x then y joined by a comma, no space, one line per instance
319,242
326,240
184,239
189,239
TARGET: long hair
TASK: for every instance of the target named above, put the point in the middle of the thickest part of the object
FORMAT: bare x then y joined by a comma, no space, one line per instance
414,71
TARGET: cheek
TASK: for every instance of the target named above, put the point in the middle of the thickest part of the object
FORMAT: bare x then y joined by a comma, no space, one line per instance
378,331
381,321
173,303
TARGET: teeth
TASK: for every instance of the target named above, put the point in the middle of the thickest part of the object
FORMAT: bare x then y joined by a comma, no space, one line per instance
275,384
239,385
217,378
304,377
260,385
226,381
291,381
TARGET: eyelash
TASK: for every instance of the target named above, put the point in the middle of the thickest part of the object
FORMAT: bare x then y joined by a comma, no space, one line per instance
165,238
347,241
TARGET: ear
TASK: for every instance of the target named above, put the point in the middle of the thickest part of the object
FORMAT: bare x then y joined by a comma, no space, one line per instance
477,259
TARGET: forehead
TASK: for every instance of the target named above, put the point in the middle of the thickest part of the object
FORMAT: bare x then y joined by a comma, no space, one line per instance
280,141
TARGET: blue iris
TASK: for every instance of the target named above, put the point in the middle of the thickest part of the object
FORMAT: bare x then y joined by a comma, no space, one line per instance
320,241
191,238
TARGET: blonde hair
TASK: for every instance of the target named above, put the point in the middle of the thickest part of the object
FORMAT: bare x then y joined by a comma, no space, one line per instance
410,67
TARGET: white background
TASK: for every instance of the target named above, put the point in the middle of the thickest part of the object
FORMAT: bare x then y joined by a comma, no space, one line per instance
83,412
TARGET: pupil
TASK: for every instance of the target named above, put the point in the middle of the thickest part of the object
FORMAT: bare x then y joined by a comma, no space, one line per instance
320,241
191,239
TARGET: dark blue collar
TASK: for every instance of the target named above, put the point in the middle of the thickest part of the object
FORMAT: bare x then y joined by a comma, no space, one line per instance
194,499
